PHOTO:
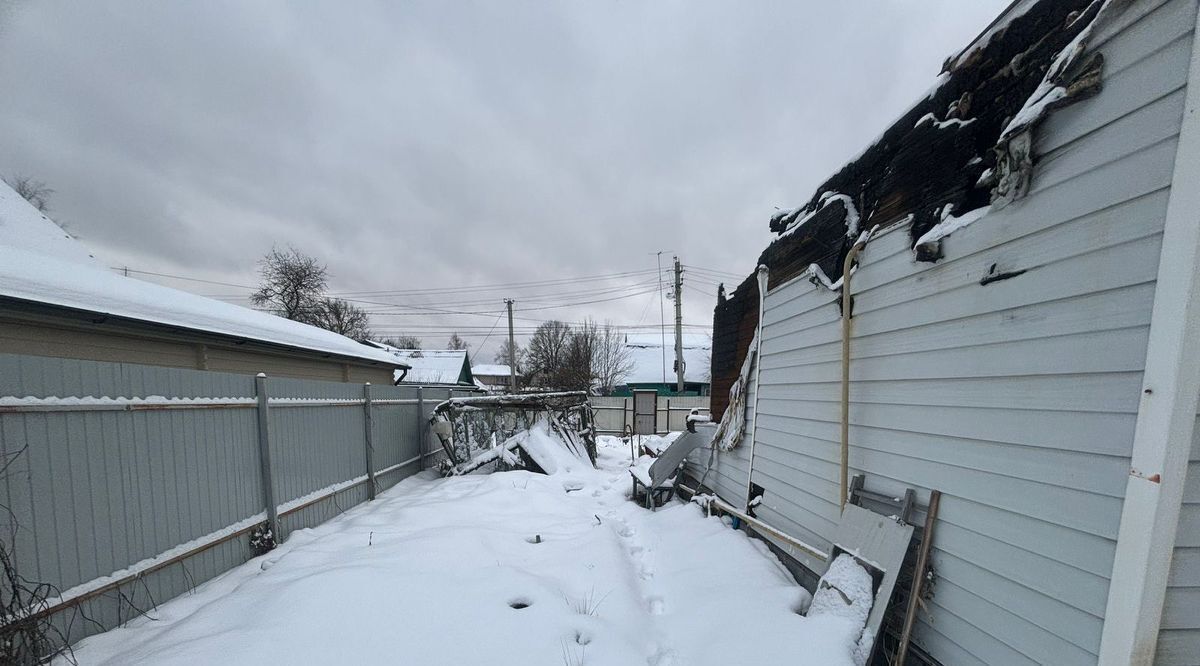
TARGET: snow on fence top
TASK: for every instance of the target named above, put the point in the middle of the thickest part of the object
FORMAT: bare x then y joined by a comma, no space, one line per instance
41,263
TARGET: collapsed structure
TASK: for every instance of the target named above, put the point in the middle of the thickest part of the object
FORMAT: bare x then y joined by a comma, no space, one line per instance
509,431
994,300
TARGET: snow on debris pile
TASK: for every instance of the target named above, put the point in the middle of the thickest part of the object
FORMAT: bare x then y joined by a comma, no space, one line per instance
509,569
845,592
549,450
37,265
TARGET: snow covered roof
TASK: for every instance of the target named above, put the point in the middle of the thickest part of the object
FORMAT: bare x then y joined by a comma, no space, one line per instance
649,366
41,263
435,366
490,370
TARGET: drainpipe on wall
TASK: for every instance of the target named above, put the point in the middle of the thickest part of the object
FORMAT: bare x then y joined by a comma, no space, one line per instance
763,273
846,308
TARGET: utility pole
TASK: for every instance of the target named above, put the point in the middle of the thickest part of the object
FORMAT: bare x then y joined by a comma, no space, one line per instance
662,321
678,326
512,350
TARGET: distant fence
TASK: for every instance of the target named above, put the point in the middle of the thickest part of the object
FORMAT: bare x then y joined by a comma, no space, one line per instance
126,485
614,413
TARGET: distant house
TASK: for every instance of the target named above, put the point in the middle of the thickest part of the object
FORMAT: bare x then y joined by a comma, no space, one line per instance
652,363
431,367
492,377
57,300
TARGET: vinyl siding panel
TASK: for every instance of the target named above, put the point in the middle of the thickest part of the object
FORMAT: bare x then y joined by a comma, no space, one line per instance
1179,638
1017,399
728,475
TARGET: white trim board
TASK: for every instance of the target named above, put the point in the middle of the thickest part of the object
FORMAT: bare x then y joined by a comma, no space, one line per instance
1166,414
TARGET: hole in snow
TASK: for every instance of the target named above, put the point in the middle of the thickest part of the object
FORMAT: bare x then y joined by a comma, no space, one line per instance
582,638
519,603
537,538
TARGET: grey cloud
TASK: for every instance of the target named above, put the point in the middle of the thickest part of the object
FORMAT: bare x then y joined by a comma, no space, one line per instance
431,144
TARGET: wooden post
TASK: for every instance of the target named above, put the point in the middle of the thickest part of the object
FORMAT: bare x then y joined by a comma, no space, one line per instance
367,438
918,584
264,456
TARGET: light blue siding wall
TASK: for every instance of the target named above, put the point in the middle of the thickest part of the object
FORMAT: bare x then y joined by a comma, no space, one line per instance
1017,399
727,474
1179,638
91,493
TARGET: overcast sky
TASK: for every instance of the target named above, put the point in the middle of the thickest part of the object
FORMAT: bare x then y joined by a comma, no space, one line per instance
436,145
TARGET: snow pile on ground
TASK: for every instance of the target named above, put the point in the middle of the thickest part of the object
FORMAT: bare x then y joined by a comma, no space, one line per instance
507,568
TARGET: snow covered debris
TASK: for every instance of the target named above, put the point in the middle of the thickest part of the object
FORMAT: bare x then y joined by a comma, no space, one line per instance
942,124
799,216
845,592
926,246
510,569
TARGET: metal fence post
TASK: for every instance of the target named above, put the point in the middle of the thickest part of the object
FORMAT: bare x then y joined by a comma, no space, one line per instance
668,415
264,455
624,415
420,429
368,439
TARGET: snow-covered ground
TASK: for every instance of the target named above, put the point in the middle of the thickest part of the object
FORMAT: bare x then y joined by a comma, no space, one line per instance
505,568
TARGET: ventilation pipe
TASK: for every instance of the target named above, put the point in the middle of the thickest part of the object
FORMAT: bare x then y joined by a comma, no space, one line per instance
763,274
846,308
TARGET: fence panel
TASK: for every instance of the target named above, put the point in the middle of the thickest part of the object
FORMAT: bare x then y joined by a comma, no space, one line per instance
613,413
395,420
127,485
94,488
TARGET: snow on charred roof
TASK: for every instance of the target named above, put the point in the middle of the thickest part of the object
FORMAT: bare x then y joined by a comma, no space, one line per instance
965,145
40,263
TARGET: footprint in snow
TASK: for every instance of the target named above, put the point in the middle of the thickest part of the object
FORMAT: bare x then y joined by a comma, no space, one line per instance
657,606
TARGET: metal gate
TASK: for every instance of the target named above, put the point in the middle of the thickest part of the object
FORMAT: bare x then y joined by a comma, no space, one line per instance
645,412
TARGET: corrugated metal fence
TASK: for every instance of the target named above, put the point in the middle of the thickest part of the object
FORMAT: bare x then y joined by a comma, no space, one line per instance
614,413
127,485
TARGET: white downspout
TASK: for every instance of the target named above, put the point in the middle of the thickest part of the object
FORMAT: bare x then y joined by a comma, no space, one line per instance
763,273
1166,416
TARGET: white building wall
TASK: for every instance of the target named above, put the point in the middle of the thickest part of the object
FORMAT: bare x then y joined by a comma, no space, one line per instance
1017,399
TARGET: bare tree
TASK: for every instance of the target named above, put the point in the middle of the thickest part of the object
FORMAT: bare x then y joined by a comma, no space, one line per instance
456,342
404,342
611,360
507,355
577,373
291,285
344,318
546,354
34,191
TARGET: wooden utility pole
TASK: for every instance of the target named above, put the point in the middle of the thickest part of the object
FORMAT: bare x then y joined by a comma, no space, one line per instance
678,327
512,350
